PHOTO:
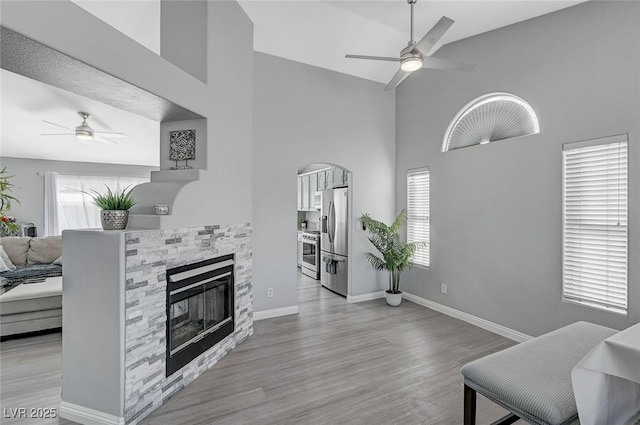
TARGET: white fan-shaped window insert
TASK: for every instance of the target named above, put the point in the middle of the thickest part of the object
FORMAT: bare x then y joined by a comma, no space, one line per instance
489,118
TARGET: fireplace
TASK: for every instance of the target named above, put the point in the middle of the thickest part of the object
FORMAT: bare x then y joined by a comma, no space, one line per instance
200,306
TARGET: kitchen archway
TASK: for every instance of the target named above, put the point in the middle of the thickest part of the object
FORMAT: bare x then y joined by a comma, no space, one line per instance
324,224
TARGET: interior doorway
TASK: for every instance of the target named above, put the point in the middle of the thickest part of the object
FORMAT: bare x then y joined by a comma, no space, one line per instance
323,225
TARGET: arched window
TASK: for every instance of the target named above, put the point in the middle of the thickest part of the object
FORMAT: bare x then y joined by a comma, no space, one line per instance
489,118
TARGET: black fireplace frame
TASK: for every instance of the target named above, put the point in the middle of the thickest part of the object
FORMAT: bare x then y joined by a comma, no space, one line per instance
193,350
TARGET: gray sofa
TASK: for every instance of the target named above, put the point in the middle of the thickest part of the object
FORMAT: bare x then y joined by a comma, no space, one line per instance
34,301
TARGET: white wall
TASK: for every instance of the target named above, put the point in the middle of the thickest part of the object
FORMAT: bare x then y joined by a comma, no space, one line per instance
496,209
183,35
223,195
139,20
30,187
304,115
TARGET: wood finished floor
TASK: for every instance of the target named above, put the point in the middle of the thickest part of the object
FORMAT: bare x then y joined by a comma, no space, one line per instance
334,363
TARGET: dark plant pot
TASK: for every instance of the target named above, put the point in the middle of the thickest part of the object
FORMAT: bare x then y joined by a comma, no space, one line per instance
114,219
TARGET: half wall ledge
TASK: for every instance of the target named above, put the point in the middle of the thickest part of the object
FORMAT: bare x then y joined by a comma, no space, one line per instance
115,316
162,189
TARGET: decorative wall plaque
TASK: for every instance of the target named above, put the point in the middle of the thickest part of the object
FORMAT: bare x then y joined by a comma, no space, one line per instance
182,147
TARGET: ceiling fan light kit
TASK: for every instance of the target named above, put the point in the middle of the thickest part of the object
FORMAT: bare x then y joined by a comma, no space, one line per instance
410,64
83,131
414,56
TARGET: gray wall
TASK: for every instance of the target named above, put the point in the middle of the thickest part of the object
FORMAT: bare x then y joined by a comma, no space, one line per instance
94,319
226,101
183,35
304,115
496,230
30,187
223,194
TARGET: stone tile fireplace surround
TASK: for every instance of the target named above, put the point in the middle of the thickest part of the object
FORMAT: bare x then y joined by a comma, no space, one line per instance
140,268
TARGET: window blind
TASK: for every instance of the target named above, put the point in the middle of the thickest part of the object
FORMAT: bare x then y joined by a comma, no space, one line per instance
595,223
418,213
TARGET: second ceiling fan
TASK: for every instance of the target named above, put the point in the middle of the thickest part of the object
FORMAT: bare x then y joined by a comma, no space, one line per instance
414,56
85,132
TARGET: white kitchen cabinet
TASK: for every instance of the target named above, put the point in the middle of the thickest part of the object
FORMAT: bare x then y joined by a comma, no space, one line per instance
310,183
313,188
306,198
339,177
322,180
328,175
299,193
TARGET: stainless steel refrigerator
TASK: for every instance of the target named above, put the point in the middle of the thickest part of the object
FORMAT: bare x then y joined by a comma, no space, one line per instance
335,235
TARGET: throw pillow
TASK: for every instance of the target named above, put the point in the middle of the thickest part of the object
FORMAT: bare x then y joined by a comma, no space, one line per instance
16,248
5,260
58,260
44,250
3,266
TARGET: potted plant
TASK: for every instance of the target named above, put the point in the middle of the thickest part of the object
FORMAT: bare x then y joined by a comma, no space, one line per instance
396,253
114,207
7,223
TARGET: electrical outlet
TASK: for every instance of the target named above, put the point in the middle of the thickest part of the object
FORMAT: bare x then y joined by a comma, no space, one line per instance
443,288
269,292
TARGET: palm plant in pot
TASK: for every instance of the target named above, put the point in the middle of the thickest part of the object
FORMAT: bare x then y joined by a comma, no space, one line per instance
114,206
396,252
7,223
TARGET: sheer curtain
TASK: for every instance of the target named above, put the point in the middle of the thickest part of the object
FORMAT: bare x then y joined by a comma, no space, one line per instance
75,208
51,222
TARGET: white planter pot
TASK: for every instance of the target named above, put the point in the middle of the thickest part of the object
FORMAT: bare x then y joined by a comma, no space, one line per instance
393,300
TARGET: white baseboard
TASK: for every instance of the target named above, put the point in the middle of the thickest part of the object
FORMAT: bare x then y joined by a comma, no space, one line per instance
276,312
365,297
469,318
86,416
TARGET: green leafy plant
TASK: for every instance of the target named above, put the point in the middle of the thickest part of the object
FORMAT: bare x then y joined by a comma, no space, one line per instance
113,199
7,223
396,253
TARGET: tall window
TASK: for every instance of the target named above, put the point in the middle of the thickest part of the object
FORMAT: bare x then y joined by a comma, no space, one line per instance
595,223
75,207
418,213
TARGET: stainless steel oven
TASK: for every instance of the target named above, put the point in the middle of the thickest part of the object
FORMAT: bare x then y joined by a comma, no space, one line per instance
311,255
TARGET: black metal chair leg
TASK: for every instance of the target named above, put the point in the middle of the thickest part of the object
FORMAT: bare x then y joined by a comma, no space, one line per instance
469,406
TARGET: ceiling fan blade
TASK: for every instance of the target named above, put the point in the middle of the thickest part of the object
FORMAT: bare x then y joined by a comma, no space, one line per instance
373,58
109,134
433,35
58,125
59,134
397,79
446,64
104,140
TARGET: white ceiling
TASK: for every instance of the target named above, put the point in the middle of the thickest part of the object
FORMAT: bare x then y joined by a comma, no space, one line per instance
321,33
315,32
26,102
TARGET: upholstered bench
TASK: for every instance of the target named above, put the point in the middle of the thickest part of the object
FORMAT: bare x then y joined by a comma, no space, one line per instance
532,380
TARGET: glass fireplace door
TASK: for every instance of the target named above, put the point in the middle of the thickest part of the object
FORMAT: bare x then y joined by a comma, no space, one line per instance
200,308
197,311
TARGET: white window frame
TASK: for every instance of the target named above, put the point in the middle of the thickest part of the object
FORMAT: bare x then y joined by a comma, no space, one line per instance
423,254
580,281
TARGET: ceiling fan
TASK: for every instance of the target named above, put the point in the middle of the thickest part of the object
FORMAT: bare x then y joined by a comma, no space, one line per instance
414,56
84,132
